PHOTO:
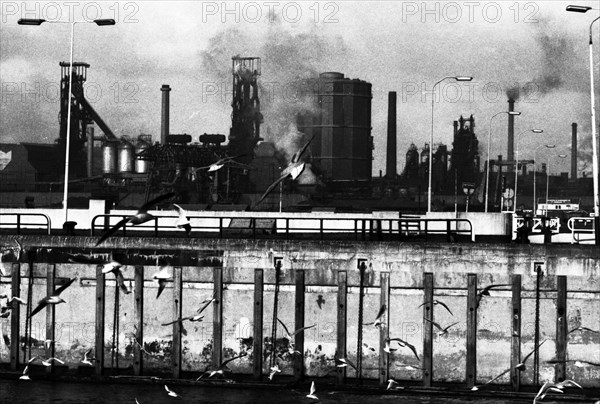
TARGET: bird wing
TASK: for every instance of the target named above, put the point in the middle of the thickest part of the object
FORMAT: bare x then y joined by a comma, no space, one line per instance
445,306
381,312
313,390
179,320
42,303
231,359
201,309
285,328
112,230
434,323
490,287
299,330
271,188
60,289
156,200
299,153
161,286
451,325
348,362
498,377
85,259
424,303
121,281
590,330
535,349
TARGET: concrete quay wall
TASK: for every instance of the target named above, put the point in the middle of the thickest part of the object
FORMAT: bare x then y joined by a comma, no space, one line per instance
237,260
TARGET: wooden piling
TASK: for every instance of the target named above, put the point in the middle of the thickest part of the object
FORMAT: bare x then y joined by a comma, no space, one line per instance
138,314
257,341
217,354
471,366
562,331
100,323
342,316
427,329
299,323
384,329
177,326
50,317
515,355
15,317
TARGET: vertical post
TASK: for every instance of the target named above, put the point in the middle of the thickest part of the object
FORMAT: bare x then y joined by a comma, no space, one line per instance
561,329
138,359
515,355
299,320
342,315
217,317
471,330
427,329
100,289
15,317
384,329
257,341
177,326
50,316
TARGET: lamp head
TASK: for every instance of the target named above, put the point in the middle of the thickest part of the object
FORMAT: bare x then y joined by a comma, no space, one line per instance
513,113
106,21
463,78
30,21
578,9
550,146
537,130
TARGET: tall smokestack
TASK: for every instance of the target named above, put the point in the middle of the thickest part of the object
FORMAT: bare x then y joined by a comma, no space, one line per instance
574,151
164,123
510,156
390,167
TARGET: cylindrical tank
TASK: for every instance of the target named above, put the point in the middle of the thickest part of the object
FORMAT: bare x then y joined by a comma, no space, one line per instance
342,148
125,157
141,166
109,157
425,154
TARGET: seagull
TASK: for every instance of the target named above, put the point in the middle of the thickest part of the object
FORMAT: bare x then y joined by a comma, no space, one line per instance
378,322
404,344
409,367
140,217
345,362
48,343
293,170
486,292
108,265
320,301
195,317
161,277
577,362
312,392
182,221
171,392
393,385
87,360
387,348
521,365
443,331
221,163
369,347
222,367
580,328
547,387
290,336
48,362
54,298
15,299
275,369
437,302
25,375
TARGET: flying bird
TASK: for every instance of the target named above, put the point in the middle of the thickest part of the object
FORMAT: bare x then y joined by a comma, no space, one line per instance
320,301
289,335
142,216
345,362
378,322
393,385
486,292
161,277
404,344
546,388
312,392
293,170
437,302
443,331
48,362
182,221
54,298
221,163
108,265
25,375
222,367
87,360
171,392
274,370
577,362
580,328
195,317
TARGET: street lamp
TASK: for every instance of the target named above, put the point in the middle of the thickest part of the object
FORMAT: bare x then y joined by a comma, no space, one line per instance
584,9
487,174
562,156
517,160
100,22
457,78
548,146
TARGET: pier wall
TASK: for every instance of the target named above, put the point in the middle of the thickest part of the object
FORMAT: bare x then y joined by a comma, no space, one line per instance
237,260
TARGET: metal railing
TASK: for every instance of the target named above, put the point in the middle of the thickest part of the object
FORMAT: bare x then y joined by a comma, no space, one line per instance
580,225
322,228
20,222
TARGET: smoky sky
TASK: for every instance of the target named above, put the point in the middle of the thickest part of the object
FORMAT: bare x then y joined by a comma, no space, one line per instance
542,52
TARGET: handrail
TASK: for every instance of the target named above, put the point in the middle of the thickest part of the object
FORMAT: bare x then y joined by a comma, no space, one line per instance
288,227
19,224
575,232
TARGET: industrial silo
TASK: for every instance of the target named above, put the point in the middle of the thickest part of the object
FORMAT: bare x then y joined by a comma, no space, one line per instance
109,157
343,148
141,166
125,156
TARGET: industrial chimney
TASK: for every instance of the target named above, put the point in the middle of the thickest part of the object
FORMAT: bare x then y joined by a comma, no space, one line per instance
164,123
511,132
390,168
574,151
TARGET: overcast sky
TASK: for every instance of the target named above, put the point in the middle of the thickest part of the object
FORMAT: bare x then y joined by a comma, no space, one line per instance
397,46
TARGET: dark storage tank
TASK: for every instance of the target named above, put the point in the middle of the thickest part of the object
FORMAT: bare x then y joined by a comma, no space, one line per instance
342,149
109,157
141,166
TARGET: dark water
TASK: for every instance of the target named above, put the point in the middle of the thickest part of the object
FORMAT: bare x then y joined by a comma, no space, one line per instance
12,392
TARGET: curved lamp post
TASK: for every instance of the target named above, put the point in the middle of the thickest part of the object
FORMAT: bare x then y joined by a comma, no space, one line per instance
457,78
100,22
584,9
487,174
517,160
